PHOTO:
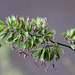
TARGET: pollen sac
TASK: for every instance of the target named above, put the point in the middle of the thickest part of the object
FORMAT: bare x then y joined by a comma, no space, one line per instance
0,45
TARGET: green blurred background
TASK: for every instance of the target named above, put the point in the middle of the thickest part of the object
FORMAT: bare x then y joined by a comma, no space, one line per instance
6,67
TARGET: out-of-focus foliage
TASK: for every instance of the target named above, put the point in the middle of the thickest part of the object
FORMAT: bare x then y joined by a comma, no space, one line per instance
69,64
5,62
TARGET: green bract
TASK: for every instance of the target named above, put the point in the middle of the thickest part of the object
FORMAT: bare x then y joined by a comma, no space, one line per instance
2,26
48,53
33,36
70,36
